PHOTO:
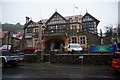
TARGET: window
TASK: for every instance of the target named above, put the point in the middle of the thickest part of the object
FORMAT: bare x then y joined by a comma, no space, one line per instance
61,27
36,30
29,30
73,27
56,18
29,44
82,40
74,39
28,35
79,27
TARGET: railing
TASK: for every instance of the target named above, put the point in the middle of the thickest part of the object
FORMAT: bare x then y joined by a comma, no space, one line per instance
74,31
53,31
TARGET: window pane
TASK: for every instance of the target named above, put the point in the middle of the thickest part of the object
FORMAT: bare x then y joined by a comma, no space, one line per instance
29,30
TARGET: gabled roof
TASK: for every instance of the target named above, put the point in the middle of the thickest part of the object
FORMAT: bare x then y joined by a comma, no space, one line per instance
56,13
87,14
44,20
66,17
73,17
3,33
25,26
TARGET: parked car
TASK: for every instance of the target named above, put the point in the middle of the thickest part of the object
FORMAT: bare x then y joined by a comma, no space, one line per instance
29,50
7,47
74,48
116,61
8,57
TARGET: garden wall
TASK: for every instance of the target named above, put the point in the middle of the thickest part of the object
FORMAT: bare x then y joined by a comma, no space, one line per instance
86,59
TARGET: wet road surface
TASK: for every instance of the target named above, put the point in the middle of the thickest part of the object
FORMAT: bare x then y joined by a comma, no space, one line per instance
47,70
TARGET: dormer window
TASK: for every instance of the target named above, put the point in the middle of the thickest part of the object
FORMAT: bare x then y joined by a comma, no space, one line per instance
77,19
70,20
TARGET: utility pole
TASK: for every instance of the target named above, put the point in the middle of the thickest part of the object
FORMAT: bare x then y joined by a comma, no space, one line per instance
8,38
101,37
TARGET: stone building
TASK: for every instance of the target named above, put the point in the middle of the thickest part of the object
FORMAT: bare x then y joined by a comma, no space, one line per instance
60,31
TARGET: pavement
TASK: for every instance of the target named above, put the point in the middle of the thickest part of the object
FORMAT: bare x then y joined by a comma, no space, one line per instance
59,71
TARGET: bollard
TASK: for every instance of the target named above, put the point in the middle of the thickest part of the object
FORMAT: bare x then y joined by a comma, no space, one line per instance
81,57
40,55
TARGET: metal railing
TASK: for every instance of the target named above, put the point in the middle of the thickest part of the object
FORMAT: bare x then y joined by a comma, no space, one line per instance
53,31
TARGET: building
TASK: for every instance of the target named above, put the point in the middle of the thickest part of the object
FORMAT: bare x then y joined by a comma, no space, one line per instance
90,23
60,31
3,38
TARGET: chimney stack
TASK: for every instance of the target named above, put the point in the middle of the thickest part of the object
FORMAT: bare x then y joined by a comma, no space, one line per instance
27,19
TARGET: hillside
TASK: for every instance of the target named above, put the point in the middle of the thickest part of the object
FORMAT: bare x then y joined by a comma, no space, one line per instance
14,28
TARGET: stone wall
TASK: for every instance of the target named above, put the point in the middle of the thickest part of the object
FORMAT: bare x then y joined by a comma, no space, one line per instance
34,57
88,59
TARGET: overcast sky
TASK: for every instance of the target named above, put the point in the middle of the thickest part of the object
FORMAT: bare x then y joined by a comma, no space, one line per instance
15,11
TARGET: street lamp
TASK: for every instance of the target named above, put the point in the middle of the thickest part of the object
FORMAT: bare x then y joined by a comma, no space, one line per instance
8,38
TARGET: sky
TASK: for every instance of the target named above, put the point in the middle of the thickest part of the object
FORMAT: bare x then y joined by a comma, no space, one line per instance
14,11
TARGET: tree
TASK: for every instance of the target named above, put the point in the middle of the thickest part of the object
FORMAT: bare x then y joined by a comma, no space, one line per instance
109,31
14,28
118,30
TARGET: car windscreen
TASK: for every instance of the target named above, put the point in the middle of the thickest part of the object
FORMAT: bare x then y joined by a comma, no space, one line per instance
116,56
5,46
7,53
75,46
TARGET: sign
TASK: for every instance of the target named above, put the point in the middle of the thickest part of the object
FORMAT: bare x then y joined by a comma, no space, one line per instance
52,31
81,57
103,48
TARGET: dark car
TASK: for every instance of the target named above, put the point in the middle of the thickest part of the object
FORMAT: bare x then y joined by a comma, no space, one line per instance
116,61
29,50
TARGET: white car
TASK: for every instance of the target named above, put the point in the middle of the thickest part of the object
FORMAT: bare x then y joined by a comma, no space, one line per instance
8,57
9,47
74,48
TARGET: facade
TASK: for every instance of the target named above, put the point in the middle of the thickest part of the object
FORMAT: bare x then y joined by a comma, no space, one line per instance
90,23
59,31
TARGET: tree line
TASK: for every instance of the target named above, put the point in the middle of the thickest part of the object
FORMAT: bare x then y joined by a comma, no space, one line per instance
14,28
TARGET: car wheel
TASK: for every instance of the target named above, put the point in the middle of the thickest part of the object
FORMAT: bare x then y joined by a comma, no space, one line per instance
3,63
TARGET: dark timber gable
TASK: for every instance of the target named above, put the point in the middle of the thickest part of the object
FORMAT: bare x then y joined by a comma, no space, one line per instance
89,23
56,18
91,18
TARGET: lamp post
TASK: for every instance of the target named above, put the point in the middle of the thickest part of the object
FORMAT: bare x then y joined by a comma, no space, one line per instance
8,38
101,37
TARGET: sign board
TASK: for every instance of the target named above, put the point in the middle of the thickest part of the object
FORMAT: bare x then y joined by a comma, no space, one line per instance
103,48
81,57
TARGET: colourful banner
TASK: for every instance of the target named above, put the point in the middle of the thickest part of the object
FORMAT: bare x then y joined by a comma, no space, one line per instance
103,48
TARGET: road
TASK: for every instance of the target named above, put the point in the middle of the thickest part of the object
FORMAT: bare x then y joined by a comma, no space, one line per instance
47,70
